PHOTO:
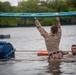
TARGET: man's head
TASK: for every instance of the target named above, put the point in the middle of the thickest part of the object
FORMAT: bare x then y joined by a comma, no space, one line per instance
54,29
73,48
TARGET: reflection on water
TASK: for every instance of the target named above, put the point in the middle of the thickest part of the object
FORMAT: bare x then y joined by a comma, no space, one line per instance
54,68
37,68
28,41
62,68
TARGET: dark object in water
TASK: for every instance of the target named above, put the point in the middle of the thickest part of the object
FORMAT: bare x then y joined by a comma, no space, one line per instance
6,50
4,36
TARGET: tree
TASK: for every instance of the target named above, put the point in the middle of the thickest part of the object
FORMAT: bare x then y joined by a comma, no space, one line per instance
5,6
71,3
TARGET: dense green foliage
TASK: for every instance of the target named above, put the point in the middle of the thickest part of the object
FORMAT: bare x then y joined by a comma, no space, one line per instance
36,6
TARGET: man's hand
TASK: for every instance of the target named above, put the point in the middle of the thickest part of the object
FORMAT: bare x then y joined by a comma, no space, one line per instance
35,18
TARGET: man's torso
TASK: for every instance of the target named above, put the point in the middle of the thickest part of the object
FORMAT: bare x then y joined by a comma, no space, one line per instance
52,42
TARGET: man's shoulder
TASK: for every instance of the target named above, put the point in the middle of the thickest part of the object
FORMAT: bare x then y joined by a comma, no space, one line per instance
69,52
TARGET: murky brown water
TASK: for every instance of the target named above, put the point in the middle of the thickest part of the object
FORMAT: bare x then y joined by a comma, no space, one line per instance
28,42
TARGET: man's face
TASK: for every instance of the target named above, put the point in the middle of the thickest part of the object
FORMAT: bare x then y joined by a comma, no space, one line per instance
73,50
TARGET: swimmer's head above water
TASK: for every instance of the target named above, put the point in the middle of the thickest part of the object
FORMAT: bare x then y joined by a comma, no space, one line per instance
73,49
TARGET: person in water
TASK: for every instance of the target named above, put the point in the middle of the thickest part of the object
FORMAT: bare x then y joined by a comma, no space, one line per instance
67,53
73,50
52,39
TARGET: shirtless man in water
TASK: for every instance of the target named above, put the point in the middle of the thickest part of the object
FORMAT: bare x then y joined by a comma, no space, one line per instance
52,39
73,50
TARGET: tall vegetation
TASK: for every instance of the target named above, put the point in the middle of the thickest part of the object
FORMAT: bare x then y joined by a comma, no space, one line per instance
37,6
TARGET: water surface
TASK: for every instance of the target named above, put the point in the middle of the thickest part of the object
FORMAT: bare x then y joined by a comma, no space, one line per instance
28,41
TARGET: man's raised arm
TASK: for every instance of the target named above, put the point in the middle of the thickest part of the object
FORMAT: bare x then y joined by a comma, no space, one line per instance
58,25
39,27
